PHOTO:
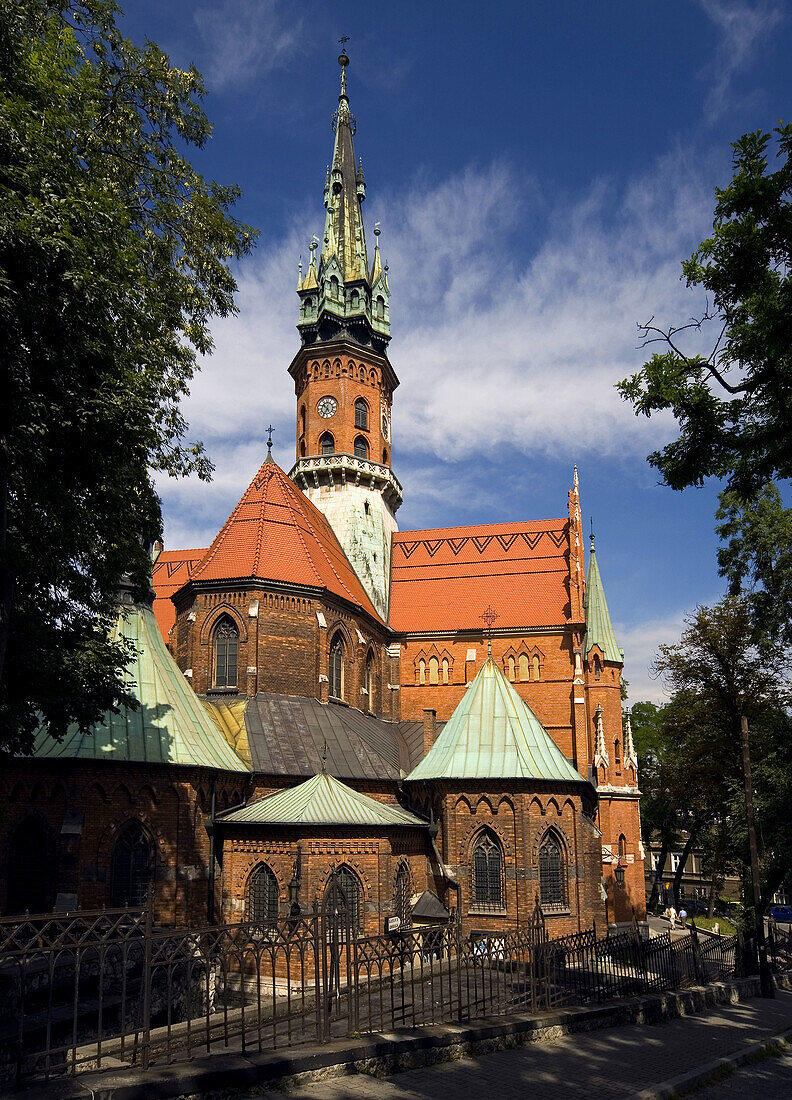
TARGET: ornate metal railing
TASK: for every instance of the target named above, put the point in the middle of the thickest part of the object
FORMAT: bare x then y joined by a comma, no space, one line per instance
110,989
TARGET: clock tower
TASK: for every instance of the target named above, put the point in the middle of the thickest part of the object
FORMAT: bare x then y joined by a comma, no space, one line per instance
343,378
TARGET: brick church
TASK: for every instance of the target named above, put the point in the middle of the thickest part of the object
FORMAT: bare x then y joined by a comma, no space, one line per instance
424,723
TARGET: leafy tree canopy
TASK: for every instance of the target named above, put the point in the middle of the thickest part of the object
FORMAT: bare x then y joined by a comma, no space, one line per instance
734,404
114,256
756,559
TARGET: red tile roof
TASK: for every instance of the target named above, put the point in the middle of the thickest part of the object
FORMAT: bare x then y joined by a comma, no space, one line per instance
275,533
172,569
443,579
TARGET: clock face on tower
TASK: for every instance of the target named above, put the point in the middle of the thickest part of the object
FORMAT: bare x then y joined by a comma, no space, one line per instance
326,407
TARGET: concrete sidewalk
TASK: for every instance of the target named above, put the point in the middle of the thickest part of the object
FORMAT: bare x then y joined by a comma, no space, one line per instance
618,1062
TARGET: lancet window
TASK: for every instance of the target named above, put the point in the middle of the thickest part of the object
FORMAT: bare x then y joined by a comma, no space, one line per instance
487,872
552,873
361,447
262,896
361,414
341,903
131,867
226,653
337,669
32,868
327,444
401,897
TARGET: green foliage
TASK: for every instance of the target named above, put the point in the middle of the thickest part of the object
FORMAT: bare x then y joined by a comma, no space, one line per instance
756,558
717,673
733,405
114,256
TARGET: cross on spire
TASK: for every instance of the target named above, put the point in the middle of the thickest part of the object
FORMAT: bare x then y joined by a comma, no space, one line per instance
269,432
489,618
343,41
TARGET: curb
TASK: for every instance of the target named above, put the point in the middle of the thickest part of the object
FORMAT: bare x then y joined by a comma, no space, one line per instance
710,1071
385,1053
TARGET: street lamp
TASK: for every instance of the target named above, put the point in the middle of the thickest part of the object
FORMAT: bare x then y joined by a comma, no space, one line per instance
619,874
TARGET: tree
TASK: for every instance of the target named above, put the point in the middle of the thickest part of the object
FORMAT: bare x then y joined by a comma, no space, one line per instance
114,256
756,558
733,404
720,663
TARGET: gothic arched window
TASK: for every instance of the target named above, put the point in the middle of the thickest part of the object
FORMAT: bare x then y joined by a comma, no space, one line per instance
302,420
401,895
524,669
361,447
336,670
617,753
131,867
434,670
535,667
334,286
370,682
445,670
623,847
354,299
262,896
422,671
341,903
361,414
487,872
226,653
597,667
327,444
32,868
512,669
552,873
379,307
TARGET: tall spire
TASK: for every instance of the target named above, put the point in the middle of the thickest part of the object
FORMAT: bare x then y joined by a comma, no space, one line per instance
599,628
342,296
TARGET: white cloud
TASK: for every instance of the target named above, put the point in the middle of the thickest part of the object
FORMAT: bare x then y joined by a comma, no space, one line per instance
743,28
245,39
494,348
640,643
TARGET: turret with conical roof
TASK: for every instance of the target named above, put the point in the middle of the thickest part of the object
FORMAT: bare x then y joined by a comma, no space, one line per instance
599,628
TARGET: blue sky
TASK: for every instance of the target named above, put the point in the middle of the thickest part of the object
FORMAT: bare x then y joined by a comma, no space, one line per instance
539,171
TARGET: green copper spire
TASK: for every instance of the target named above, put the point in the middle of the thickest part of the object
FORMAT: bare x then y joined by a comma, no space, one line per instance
493,734
342,296
599,628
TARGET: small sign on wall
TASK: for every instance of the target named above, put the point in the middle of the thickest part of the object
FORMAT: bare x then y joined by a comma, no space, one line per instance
392,924
630,859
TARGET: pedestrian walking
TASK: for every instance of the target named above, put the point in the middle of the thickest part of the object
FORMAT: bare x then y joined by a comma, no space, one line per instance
672,916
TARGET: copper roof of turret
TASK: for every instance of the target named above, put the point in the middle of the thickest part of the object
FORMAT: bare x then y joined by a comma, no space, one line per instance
599,628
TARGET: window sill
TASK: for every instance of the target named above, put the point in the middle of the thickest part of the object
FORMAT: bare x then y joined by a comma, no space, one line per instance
553,912
222,691
338,702
487,910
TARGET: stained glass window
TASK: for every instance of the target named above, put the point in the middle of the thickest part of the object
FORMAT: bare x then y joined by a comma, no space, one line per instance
552,874
131,867
487,873
263,896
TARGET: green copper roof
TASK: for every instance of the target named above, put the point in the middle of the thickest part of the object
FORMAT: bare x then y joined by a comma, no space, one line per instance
493,734
599,628
322,800
169,727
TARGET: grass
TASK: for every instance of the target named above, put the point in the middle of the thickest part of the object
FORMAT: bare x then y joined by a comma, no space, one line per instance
725,926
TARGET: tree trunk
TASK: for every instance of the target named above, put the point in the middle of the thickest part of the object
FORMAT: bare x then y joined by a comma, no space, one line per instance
765,976
658,874
682,863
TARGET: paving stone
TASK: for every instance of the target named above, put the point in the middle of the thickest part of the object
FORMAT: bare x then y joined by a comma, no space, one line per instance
615,1063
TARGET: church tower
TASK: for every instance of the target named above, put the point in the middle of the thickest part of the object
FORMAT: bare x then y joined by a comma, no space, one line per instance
343,378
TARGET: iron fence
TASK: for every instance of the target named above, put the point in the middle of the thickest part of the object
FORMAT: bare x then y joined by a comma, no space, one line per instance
110,989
